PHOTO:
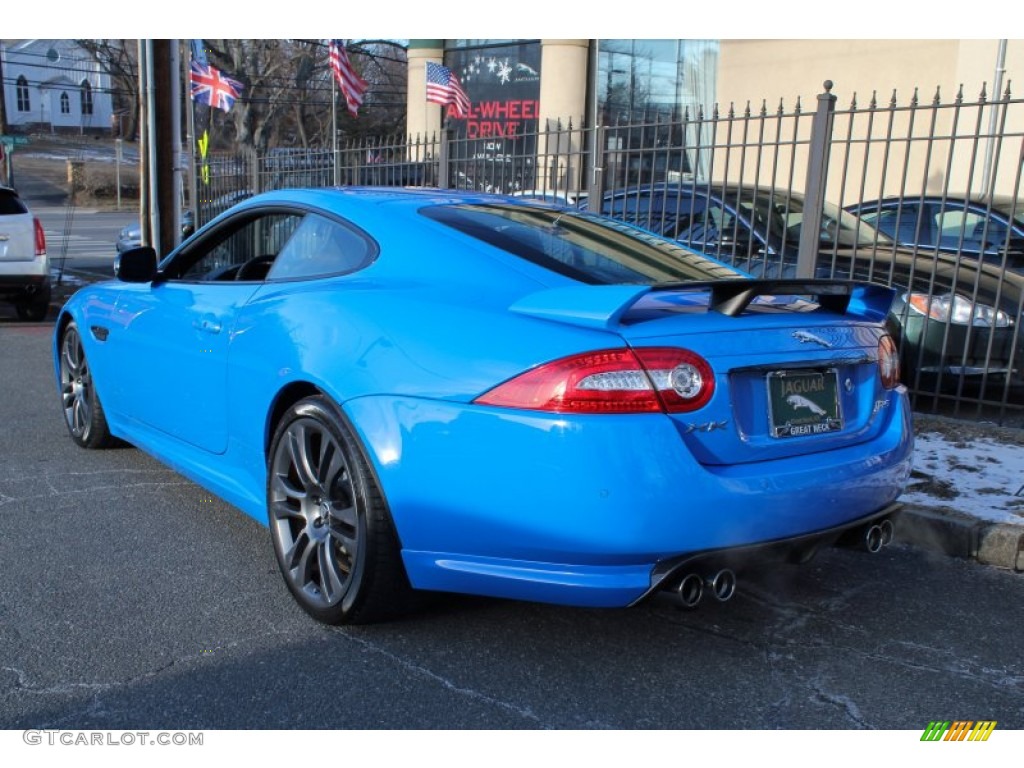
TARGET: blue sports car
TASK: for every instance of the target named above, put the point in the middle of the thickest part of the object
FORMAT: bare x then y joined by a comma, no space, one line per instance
429,390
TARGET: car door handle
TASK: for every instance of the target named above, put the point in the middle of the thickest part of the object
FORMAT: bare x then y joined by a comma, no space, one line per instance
206,325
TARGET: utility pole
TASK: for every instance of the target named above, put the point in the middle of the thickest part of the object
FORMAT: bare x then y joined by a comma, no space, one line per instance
160,86
3,96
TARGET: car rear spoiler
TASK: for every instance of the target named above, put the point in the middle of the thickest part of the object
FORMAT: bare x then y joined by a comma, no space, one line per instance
604,306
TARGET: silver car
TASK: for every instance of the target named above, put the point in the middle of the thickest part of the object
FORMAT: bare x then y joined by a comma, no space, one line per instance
24,265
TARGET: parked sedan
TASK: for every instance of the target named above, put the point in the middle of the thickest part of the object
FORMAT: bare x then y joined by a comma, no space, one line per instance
434,390
24,264
130,235
989,229
955,318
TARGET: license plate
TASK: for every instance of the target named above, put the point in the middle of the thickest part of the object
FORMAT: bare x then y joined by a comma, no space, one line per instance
803,403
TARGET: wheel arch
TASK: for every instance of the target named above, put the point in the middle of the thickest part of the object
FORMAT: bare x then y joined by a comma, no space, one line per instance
297,391
285,399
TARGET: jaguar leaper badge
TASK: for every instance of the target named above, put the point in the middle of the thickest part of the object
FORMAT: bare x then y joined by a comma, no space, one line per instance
804,337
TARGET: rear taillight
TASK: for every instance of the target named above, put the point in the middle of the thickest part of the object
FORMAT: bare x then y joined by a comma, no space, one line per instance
40,237
888,362
648,380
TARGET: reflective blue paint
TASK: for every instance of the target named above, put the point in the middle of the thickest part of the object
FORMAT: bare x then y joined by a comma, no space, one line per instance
568,509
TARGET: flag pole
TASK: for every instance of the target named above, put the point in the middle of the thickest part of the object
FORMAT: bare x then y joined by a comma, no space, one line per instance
334,123
193,188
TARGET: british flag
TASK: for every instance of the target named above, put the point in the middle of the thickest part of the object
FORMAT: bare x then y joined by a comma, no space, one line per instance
210,86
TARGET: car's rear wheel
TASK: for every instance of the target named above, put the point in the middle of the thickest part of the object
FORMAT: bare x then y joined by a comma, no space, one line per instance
334,539
35,309
83,413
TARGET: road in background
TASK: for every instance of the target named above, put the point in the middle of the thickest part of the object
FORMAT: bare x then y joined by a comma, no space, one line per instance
82,240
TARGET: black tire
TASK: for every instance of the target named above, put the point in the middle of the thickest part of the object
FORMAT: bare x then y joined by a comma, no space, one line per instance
83,413
36,309
333,537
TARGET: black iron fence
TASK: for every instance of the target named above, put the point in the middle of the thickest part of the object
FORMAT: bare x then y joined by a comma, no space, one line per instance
922,195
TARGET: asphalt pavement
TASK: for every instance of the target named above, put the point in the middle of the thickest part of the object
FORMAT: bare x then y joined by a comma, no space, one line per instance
132,599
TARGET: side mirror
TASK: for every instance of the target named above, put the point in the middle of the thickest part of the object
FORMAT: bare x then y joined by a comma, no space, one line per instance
136,265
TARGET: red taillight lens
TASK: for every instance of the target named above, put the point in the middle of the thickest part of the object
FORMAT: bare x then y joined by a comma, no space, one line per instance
888,362
40,237
683,379
650,380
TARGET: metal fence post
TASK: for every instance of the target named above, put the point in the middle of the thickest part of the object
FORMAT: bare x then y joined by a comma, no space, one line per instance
595,189
253,161
817,171
442,161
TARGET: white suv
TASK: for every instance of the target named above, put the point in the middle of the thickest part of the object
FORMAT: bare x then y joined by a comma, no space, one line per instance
24,265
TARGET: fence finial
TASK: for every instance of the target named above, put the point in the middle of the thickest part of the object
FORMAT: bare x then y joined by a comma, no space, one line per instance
1006,93
936,99
828,86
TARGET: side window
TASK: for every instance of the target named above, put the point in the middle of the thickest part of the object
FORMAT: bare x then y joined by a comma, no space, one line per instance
244,252
711,226
321,246
971,227
898,222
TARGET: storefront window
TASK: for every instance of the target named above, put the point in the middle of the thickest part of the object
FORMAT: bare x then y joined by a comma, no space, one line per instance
502,81
654,84
638,79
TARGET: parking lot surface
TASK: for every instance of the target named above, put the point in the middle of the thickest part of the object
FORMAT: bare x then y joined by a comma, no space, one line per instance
133,599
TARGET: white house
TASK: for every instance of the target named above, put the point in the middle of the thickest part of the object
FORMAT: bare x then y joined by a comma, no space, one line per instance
54,85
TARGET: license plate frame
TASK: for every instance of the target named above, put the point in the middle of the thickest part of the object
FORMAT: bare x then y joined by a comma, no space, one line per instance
803,402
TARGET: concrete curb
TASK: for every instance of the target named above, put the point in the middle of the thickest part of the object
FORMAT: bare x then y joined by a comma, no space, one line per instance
944,531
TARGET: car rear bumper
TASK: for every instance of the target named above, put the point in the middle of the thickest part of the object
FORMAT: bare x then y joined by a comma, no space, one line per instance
23,286
582,510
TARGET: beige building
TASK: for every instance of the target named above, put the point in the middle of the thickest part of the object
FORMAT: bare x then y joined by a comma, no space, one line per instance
604,82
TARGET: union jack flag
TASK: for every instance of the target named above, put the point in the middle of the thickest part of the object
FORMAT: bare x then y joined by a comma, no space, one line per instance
350,83
210,86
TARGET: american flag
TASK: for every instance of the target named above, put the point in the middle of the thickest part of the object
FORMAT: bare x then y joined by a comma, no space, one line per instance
210,86
351,84
443,87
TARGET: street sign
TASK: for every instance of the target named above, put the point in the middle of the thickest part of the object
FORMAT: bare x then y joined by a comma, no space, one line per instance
13,141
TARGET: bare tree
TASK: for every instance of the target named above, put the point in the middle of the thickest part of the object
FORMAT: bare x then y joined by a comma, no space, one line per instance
288,91
119,59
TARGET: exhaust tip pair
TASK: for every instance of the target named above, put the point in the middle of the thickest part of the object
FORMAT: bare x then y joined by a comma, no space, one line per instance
691,588
879,535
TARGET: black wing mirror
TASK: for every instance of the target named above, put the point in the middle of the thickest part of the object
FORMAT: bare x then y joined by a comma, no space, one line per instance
136,265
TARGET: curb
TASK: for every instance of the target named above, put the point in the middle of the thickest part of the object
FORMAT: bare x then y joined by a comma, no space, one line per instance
997,544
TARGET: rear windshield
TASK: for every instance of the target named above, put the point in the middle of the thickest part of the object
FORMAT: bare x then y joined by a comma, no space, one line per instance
10,203
588,248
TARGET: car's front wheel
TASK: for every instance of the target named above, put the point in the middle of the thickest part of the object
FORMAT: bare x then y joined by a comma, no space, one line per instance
83,413
334,539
